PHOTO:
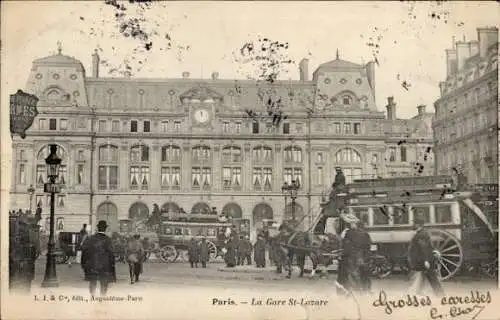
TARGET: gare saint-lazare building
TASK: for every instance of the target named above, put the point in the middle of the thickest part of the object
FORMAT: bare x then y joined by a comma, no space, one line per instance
188,144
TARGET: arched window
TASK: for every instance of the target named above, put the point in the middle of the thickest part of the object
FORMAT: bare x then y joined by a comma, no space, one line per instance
108,212
262,154
201,208
170,153
41,166
108,167
348,155
262,211
139,167
293,154
201,153
231,154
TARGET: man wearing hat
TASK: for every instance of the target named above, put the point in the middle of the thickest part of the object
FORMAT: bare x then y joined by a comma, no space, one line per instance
422,259
135,254
98,260
204,252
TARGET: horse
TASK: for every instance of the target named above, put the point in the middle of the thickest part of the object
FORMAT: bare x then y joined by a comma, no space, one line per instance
287,245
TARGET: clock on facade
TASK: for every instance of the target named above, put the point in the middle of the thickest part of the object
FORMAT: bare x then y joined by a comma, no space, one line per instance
201,116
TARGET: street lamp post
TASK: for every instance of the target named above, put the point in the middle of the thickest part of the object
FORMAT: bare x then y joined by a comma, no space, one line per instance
31,192
291,190
53,164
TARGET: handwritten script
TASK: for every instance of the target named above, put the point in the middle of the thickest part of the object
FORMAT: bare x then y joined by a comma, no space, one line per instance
451,306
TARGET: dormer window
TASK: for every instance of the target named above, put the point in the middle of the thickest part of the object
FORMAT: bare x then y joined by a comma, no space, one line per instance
346,100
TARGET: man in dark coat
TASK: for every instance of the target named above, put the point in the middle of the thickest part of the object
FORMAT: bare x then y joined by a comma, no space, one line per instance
135,257
194,253
204,252
421,258
259,253
230,256
98,260
244,251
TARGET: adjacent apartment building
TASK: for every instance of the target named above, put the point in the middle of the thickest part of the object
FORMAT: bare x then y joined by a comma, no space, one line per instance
466,118
128,143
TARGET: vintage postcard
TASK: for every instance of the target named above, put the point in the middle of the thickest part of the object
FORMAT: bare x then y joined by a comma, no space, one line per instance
249,160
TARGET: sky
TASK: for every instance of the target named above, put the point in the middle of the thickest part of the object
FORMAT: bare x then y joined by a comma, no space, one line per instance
204,36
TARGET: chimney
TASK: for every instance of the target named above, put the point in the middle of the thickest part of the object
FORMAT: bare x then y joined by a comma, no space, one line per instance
215,75
304,69
185,75
421,110
451,62
391,109
487,37
463,53
95,64
473,48
442,86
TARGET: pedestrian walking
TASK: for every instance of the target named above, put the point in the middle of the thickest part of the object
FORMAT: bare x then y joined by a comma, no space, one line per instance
194,253
81,239
135,257
245,251
204,252
230,256
98,260
259,254
422,260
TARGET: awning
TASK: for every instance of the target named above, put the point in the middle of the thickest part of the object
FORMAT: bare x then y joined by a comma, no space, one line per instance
471,205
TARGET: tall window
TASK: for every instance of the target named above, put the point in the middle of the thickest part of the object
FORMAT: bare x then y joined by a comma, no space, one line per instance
133,126
286,128
108,167
42,124
347,128
338,129
164,126
392,154
79,173
170,177
177,126
262,154
146,126
102,126
351,174
347,155
201,177
262,179
201,154
320,176
171,153
237,127
52,124
225,127
62,175
255,127
115,126
347,100
403,154
63,124
40,174
231,154
292,174
231,177
357,128
293,154
139,167
22,174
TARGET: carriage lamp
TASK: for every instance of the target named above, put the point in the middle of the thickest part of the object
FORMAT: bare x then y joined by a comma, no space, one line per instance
53,164
291,190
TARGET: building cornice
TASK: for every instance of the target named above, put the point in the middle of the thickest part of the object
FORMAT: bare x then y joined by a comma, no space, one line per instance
473,109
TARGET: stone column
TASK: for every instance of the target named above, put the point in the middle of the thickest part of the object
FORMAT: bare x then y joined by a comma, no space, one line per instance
123,167
216,168
155,171
186,168
247,170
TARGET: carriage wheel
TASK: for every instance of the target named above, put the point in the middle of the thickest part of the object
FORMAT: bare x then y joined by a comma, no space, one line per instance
168,254
490,268
450,253
212,250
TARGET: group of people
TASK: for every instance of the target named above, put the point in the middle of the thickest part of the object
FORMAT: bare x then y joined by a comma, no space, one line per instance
354,269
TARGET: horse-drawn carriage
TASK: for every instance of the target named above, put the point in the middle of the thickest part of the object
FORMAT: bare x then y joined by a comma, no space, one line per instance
461,226
174,235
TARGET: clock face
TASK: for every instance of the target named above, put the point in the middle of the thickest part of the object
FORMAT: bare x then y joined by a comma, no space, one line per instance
201,116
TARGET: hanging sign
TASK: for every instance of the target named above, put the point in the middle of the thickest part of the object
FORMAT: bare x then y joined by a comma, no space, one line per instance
22,112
